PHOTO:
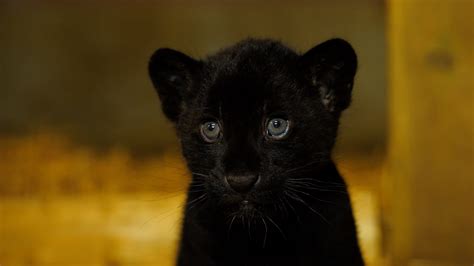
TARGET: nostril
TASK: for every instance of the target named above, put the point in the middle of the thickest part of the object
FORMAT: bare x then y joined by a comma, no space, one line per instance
241,183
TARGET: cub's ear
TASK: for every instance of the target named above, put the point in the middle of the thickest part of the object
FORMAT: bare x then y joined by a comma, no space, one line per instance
330,67
173,75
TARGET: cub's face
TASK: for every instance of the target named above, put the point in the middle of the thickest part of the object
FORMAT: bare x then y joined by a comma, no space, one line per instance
255,118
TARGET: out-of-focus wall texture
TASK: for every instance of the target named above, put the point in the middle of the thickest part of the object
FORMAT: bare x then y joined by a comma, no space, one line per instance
90,171
430,179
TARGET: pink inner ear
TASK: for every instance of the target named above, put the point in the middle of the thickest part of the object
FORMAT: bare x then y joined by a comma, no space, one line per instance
173,78
327,98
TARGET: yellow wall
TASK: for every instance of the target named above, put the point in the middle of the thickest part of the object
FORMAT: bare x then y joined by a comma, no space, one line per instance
430,175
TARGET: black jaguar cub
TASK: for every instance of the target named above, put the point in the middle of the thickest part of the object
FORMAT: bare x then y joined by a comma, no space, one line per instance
257,123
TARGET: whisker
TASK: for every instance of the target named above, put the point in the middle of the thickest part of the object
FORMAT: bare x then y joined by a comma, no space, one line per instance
230,225
292,208
311,180
199,174
282,207
297,198
196,201
309,187
266,231
248,227
196,190
321,160
309,195
279,229
197,185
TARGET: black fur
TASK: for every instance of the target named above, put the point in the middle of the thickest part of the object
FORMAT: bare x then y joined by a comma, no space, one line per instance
298,212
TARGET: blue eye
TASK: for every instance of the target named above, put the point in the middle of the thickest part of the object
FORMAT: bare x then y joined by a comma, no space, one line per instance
277,128
210,131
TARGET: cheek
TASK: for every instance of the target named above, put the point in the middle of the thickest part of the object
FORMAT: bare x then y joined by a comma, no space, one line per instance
286,162
282,156
199,156
274,164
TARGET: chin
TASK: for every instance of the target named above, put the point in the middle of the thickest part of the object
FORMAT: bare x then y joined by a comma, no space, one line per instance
237,205
248,211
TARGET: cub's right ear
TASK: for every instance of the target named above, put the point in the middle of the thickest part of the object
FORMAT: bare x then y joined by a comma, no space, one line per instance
173,75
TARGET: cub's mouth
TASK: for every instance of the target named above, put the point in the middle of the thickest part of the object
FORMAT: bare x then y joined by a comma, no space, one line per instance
245,210
251,204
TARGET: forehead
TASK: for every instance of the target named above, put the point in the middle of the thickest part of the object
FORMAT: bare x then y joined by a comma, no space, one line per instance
239,93
246,89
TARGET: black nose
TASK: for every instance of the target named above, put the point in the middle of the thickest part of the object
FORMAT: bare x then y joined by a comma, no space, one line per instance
241,183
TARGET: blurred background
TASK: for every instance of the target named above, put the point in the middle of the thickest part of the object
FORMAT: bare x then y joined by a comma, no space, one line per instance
90,170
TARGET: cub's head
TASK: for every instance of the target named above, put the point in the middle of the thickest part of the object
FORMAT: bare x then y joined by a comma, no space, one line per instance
254,118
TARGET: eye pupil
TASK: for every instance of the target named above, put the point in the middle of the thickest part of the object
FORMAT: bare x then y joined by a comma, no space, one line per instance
276,123
211,126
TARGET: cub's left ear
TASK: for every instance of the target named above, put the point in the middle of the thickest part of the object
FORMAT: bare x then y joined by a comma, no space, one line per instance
331,67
